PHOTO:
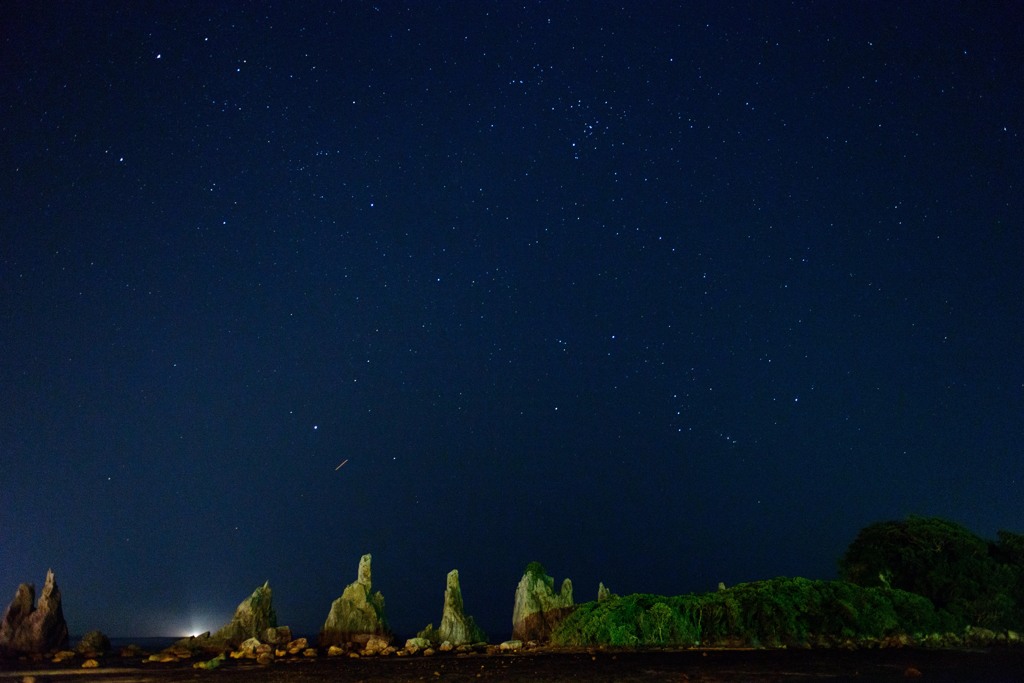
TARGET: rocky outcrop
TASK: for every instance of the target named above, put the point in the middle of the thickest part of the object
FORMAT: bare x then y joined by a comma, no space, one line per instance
457,628
93,643
538,609
602,592
254,618
358,614
30,628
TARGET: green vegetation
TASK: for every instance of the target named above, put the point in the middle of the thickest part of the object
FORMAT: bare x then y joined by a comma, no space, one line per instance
900,579
978,582
537,571
776,612
476,634
430,633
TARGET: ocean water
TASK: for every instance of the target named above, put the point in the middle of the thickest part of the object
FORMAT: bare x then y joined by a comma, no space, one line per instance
147,643
151,643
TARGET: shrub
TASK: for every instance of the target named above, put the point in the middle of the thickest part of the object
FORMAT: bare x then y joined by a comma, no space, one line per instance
977,582
777,612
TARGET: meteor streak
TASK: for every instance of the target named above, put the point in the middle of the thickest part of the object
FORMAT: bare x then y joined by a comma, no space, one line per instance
342,463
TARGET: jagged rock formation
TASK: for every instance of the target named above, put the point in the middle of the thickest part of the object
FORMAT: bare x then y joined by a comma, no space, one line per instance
602,592
358,614
457,628
253,617
30,628
538,609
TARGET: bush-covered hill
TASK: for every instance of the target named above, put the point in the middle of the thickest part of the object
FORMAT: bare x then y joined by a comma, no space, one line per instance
978,582
783,611
910,577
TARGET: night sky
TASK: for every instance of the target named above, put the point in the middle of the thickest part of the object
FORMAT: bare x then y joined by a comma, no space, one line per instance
659,296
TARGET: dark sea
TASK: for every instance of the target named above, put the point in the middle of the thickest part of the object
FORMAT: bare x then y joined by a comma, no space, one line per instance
147,643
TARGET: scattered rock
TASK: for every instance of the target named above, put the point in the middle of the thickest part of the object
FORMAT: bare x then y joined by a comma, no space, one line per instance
897,640
210,664
358,612
277,635
201,643
296,646
30,628
247,649
309,652
980,637
179,651
513,645
265,658
132,650
456,627
538,609
63,656
335,651
162,658
414,645
376,645
90,664
93,642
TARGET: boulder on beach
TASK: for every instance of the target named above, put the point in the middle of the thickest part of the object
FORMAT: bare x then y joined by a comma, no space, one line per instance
30,628
277,635
358,614
538,608
93,642
456,627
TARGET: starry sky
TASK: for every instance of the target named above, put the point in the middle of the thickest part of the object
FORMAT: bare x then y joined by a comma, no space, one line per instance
657,294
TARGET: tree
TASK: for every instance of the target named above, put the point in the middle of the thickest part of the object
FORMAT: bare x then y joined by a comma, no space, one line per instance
939,559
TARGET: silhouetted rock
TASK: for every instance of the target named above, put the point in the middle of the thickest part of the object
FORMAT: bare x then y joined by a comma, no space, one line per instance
457,628
357,614
93,643
26,628
538,609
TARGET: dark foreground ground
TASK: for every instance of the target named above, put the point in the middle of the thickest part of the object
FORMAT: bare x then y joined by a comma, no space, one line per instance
928,666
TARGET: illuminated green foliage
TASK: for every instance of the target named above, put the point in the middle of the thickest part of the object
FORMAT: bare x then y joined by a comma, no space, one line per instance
770,613
976,581
536,569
